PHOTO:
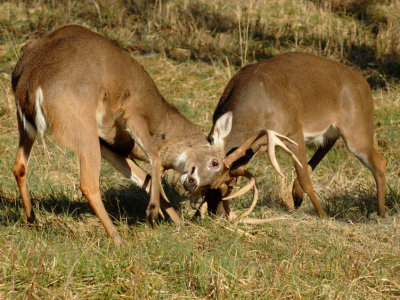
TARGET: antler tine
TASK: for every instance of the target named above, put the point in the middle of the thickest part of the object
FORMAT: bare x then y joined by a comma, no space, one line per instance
255,195
262,221
242,191
273,141
232,218
163,193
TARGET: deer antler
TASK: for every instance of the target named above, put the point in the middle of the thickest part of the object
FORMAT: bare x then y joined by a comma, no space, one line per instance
223,190
232,218
273,139
242,191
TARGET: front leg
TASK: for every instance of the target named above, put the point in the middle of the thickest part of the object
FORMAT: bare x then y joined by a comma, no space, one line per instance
131,170
297,191
138,129
303,172
213,199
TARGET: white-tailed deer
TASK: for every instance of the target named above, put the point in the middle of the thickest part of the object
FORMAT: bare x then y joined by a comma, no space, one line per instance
98,101
308,99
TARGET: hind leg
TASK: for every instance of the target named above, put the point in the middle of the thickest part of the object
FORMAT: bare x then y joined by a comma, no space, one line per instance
297,191
81,136
378,169
20,169
365,151
89,158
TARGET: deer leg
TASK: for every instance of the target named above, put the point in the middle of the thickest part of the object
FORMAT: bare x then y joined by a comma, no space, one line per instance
303,173
90,173
20,169
297,191
131,170
377,165
127,167
215,205
139,131
374,161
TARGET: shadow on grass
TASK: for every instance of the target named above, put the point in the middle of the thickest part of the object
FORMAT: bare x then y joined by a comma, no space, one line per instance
347,206
127,204
360,207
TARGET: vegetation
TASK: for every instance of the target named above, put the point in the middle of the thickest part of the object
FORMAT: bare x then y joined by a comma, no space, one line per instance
191,49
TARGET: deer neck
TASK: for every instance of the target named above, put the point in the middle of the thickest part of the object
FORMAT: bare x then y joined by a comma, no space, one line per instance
175,138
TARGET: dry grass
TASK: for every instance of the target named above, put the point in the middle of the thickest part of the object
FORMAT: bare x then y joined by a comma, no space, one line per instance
360,32
191,49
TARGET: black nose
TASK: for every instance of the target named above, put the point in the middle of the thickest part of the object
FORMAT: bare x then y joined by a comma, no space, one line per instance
190,184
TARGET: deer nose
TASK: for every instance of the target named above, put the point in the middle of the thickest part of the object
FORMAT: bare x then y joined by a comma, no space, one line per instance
190,184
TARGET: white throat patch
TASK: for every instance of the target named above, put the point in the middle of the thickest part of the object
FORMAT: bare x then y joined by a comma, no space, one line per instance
180,162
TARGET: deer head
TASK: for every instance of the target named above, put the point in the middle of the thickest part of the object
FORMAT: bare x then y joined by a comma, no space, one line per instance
201,168
217,172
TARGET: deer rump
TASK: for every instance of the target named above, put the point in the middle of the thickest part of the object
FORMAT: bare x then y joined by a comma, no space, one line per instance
307,99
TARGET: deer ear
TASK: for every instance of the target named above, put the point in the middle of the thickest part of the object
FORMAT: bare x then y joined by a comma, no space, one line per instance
222,128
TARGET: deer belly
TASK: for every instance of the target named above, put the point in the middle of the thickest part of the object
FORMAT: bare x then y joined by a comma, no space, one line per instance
319,138
112,132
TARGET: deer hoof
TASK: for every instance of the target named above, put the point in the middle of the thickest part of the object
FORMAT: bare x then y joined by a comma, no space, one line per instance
297,193
116,238
297,201
151,215
30,219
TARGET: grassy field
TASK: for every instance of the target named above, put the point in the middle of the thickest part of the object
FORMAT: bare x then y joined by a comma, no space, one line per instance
191,49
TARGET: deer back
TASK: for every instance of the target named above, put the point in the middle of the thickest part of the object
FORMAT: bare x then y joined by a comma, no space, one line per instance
290,91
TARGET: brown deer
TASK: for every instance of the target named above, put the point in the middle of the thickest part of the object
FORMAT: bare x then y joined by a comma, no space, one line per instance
307,99
98,101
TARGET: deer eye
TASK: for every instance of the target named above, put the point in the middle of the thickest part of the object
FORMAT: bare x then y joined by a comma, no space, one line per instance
215,163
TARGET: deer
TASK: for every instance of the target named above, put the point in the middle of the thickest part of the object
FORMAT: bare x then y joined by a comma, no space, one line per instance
308,99
95,99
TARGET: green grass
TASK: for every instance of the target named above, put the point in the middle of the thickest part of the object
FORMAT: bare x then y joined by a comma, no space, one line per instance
191,49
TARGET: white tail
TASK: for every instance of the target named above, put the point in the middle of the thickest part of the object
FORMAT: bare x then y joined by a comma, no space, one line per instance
99,101
40,120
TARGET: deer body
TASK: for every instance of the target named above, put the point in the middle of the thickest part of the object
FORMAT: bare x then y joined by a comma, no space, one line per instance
99,101
308,99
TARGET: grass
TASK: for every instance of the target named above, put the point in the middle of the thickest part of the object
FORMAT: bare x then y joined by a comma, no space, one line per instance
191,49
